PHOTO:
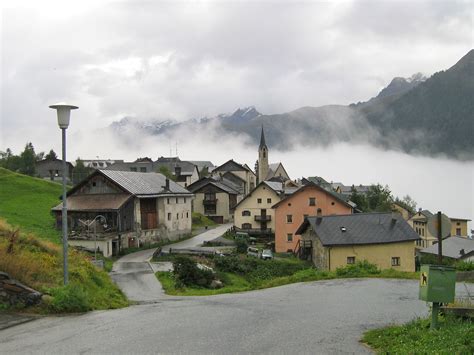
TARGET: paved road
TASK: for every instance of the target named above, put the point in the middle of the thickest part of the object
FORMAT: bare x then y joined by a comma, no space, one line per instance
200,238
135,276
326,317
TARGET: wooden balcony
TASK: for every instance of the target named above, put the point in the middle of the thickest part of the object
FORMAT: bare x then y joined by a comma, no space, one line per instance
209,202
261,218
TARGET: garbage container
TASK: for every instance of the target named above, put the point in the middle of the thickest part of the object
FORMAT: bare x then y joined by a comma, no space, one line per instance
437,283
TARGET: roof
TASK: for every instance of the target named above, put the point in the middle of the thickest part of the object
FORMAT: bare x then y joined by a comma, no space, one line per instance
272,168
362,189
360,228
262,140
202,164
44,161
452,247
94,202
231,165
138,184
187,168
311,184
209,181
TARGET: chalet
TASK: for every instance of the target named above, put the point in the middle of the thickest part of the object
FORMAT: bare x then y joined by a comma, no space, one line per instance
239,175
383,239
134,208
214,199
52,169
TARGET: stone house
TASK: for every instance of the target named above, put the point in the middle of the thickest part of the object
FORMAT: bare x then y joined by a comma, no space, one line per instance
214,199
239,175
290,212
254,214
137,208
383,239
52,169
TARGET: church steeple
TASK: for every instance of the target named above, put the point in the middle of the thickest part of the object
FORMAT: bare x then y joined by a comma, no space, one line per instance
262,140
262,170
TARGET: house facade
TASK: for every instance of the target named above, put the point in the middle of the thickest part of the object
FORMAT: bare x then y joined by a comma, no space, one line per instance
214,199
384,239
136,207
240,174
309,200
254,214
52,169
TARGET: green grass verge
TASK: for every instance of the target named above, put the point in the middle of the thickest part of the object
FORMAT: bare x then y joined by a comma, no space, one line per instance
200,222
454,336
26,202
239,283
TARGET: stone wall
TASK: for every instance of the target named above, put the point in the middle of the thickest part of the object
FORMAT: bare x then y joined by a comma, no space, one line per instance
14,292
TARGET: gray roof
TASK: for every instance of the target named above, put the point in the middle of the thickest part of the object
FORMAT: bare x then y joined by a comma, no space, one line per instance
362,189
143,184
209,181
202,164
360,228
275,186
452,247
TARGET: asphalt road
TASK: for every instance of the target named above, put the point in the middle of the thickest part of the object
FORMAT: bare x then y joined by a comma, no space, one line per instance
325,317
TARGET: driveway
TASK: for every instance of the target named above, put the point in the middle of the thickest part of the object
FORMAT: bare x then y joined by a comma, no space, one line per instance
326,317
135,275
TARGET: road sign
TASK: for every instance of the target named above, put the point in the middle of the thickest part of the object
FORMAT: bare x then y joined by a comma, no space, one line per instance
445,225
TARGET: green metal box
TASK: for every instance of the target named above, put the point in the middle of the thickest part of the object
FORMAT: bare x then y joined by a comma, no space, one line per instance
437,283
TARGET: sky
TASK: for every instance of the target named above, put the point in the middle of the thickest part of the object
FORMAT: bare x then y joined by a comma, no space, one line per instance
180,60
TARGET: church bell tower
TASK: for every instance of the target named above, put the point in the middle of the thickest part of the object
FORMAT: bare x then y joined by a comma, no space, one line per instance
262,159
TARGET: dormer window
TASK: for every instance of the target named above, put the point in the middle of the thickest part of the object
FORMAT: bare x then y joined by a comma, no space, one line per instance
343,229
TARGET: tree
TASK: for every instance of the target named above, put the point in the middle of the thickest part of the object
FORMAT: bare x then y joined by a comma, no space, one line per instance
379,198
28,160
51,155
408,203
359,200
166,172
80,171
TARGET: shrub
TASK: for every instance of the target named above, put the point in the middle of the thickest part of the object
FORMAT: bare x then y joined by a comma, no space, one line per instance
465,266
241,245
187,273
359,269
70,298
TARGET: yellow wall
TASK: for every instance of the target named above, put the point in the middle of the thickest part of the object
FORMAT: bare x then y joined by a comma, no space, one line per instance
459,223
379,254
250,203
222,205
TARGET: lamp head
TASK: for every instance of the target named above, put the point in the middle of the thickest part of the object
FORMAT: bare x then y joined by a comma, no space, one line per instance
64,113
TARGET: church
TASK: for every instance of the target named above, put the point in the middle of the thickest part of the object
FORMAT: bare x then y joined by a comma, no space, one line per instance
266,171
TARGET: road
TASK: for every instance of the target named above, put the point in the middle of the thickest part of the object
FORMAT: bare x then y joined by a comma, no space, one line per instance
135,276
326,317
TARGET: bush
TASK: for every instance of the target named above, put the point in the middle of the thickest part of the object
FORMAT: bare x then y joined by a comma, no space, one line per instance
241,245
465,266
70,298
187,273
360,268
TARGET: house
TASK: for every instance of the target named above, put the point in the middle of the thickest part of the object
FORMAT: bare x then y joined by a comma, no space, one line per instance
290,212
137,208
455,248
406,214
254,214
238,174
347,190
318,180
184,173
265,171
419,222
203,166
52,169
384,239
100,163
214,199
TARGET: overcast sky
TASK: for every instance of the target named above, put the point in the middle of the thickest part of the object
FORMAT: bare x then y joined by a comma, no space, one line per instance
181,60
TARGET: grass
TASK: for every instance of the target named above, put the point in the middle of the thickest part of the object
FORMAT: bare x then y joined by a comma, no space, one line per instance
260,278
26,202
38,264
201,222
454,336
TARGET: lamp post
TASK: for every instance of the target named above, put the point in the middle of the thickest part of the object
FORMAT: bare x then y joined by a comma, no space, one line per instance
64,113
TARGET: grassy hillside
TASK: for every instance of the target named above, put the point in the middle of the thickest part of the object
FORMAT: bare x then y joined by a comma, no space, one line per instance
38,264
26,202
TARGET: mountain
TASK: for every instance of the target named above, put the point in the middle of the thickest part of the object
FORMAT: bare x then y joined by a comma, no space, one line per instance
418,115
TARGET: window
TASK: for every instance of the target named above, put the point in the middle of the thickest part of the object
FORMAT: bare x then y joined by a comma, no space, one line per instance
312,201
246,226
168,200
458,231
245,213
289,237
209,209
395,261
289,218
177,215
143,170
169,216
319,212
351,260
177,200
187,214
332,203
269,200
184,200
133,169
210,196
305,216
259,200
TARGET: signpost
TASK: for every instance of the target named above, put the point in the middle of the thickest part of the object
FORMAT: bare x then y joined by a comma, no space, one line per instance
439,225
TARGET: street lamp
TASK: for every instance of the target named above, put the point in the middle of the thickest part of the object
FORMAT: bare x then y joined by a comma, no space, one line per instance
64,113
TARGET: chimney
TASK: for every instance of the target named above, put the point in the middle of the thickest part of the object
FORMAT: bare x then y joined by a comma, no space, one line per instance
167,184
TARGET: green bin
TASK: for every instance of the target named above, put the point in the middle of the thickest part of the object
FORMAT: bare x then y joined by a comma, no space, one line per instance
437,283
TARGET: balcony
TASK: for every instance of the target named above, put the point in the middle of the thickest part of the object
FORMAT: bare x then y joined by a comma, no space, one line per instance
209,202
265,218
